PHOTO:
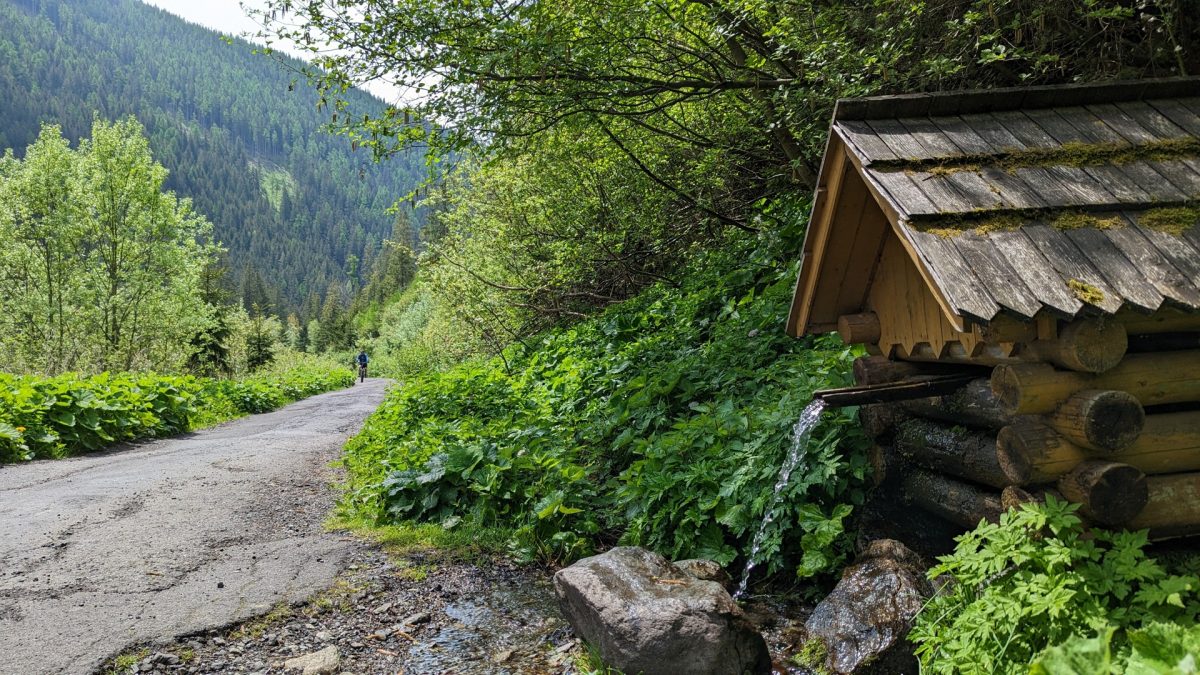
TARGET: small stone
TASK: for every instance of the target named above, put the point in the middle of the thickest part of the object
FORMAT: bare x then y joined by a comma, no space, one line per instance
503,656
381,634
324,662
382,608
324,636
220,584
419,617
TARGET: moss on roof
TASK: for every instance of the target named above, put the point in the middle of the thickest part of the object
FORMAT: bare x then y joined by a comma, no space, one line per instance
1074,154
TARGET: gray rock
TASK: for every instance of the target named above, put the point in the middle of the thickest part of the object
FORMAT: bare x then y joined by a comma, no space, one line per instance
645,615
706,570
317,663
863,622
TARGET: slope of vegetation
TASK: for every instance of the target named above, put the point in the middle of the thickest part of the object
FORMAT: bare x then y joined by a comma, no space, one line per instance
235,134
661,422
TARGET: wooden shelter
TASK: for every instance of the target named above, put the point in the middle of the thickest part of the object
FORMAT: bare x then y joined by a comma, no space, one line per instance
1047,239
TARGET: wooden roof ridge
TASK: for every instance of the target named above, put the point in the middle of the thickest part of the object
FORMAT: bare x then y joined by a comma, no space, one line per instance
970,101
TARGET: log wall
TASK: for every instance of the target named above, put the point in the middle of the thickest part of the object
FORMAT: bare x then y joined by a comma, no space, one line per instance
1122,440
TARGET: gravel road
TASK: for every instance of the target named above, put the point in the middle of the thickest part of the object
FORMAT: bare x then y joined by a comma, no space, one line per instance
171,537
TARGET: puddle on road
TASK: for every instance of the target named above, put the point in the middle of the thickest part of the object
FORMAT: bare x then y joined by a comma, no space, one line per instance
506,630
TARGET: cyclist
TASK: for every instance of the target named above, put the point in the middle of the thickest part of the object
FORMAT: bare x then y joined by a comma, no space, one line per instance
362,360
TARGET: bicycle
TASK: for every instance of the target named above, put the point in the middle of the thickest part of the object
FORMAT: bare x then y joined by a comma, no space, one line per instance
362,372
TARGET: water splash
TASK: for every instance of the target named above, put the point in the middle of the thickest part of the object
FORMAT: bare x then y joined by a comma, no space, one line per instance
801,432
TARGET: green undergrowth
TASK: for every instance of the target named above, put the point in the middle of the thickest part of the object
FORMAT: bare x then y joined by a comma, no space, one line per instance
66,415
1039,593
661,422
403,539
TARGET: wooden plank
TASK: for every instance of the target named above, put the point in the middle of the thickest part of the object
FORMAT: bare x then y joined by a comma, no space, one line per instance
1032,135
865,141
993,270
962,135
977,191
903,192
1061,129
1013,191
1151,119
1038,275
1179,114
1157,268
847,218
1123,124
1179,251
943,193
1072,264
894,391
1084,189
1124,276
874,231
1191,103
1080,125
1155,184
927,134
1181,176
834,169
966,294
1124,189
899,140
1089,128
991,129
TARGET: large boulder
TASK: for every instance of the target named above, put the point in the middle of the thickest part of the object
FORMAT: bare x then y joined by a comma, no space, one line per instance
863,623
647,616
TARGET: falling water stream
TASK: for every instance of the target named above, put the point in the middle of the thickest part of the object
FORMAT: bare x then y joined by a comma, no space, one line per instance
800,434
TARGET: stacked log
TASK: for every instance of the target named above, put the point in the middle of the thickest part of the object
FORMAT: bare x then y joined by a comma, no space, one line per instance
1109,422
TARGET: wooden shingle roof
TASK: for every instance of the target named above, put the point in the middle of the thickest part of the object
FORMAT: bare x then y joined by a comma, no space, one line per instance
1064,200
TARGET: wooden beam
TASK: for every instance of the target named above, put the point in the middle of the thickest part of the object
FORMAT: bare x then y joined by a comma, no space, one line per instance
1108,492
1154,379
1100,420
1162,321
951,450
956,501
882,370
858,329
1031,452
889,393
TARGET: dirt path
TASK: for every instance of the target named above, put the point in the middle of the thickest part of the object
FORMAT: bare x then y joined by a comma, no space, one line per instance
172,537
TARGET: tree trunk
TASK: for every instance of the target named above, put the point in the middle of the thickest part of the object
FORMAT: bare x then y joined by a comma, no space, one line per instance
958,502
1109,493
952,450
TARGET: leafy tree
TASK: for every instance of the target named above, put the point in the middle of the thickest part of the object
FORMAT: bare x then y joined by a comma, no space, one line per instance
103,268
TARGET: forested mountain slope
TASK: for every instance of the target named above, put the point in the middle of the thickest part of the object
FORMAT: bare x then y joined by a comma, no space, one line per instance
237,137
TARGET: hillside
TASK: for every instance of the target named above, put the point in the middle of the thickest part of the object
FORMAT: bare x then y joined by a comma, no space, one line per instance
237,136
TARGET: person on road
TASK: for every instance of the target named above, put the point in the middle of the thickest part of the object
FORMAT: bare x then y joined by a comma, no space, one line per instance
362,360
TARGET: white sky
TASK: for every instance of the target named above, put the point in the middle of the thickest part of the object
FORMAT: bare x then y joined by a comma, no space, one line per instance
227,17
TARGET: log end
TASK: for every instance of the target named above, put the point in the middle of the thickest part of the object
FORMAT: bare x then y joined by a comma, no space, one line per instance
1092,345
1111,494
858,329
1114,419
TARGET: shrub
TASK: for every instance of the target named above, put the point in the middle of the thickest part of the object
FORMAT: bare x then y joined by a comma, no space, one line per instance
1035,585
49,417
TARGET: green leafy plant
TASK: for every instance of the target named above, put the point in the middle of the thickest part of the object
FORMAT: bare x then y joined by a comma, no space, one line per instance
1012,591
